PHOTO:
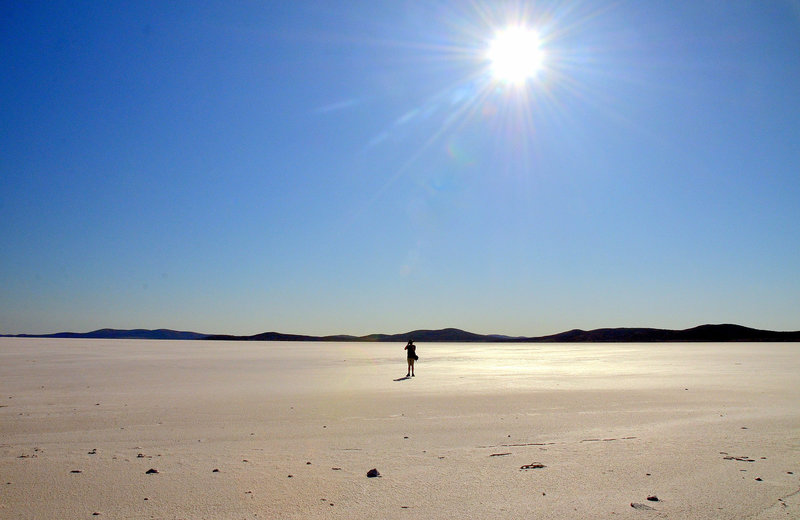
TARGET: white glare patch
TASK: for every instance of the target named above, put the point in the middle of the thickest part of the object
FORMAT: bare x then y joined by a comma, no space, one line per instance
515,55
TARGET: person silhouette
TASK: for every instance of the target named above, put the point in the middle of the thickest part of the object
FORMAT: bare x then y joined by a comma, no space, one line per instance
411,356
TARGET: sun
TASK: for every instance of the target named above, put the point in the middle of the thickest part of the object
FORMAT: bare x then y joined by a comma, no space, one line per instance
515,55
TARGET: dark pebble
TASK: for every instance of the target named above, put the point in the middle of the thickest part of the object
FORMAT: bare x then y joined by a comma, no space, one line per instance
373,473
151,471
535,465
76,471
215,470
653,498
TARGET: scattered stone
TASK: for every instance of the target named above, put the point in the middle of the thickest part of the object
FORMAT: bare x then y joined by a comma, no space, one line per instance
790,472
289,476
535,465
308,463
95,514
146,498
215,470
151,471
642,507
759,479
653,498
336,469
76,471
405,436
740,459
403,507
499,454
744,427
373,473
93,452
331,504
140,455
245,460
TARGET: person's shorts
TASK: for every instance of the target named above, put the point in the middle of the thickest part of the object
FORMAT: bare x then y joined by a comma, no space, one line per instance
411,360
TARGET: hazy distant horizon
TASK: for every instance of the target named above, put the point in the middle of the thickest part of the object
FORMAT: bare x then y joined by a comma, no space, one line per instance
368,167
700,333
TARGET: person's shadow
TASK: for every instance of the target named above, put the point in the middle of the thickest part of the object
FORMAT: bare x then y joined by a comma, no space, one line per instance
403,378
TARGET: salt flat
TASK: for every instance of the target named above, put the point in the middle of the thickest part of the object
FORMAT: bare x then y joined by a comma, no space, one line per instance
712,430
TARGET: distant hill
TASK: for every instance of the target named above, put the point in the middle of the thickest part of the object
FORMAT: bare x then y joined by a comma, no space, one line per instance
120,334
703,333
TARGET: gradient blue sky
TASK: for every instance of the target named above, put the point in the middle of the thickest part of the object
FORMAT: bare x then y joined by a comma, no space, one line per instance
351,167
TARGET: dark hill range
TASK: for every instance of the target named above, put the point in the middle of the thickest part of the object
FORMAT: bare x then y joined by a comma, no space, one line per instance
119,334
703,333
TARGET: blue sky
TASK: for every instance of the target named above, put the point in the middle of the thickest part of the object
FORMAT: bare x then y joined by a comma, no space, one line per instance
326,167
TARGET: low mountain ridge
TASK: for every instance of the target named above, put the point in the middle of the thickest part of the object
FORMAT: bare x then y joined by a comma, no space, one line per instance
701,333
119,334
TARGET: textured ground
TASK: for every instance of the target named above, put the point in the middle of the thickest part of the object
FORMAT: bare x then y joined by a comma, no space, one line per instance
711,430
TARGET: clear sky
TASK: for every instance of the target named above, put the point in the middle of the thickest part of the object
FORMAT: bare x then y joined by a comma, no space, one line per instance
358,167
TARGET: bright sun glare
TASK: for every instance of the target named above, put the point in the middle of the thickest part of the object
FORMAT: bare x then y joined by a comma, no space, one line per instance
515,55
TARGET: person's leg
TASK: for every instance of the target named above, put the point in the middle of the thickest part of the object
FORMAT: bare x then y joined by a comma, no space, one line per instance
410,364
